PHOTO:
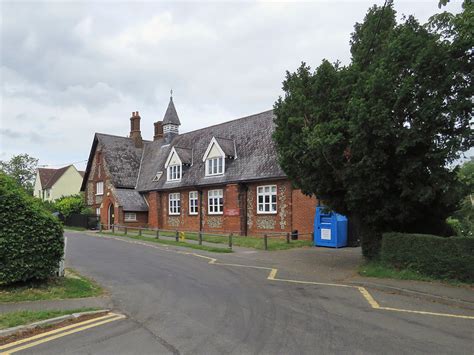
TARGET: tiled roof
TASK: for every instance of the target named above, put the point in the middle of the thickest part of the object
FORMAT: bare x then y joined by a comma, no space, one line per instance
256,154
45,175
171,116
131,200
55,177
48,177
185,154
227,145
122,158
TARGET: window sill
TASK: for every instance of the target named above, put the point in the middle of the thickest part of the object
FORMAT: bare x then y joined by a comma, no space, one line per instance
174,214
131,220
214,175
102,194
268,213
215,213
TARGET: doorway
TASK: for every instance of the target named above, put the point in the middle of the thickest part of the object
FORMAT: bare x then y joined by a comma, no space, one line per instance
111,215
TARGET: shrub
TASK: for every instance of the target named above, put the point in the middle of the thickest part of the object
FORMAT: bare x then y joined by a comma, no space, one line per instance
31,239
68,205
447,258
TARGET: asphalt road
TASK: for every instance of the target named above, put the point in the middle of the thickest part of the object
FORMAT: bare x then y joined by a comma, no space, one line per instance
180,304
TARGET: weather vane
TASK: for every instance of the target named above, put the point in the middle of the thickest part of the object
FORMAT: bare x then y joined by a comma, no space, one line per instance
171,92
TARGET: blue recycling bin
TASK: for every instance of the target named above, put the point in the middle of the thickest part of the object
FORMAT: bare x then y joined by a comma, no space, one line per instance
330,229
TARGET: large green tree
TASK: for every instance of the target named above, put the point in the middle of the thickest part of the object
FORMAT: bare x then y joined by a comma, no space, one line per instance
22,168
374,139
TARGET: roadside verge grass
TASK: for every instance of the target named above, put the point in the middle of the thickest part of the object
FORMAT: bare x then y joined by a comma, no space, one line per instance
172,242
72,285
14,319
245,242
380,270
81,229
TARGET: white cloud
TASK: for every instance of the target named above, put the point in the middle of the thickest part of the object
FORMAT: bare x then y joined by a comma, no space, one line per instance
71,69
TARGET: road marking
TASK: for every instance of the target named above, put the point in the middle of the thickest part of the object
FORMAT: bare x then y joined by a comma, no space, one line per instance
109,315
272,277
272,274
369,297
60,335
426,313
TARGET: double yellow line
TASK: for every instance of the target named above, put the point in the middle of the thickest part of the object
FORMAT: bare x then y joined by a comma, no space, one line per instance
58,333
272,277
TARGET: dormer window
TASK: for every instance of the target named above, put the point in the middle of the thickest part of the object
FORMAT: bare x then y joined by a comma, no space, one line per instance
174,166
215,156
174,172
215,166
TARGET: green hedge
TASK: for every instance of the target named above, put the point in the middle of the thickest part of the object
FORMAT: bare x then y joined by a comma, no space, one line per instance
31,239
446,258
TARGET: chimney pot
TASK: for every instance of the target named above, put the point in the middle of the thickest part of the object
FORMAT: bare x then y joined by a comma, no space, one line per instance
135,133
158,130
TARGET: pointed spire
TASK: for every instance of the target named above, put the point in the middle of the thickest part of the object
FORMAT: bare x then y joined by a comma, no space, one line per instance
171,116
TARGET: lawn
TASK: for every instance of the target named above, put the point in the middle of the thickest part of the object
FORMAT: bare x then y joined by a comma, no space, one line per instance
379,270
71,286
173,242
14,319
240,241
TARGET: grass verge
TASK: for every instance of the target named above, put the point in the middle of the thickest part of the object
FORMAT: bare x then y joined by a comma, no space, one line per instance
172,242
71,286
14,319
74,228
245,242
380,270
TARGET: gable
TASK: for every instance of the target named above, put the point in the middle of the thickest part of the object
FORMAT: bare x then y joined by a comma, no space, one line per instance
214,152
173,159
121,157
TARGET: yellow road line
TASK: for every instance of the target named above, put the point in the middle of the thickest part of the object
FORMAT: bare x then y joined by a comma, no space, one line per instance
369,297
272,276
109,315
427,313
314,283
45,340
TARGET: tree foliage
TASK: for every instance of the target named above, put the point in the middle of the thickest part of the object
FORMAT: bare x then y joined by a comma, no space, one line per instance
373,139
462,220
22,168
31,239
68,205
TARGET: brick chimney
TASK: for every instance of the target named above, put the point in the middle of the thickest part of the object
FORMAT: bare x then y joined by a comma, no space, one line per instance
158,130
135,133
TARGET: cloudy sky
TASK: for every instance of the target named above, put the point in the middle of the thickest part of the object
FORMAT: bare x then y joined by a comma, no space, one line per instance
72,68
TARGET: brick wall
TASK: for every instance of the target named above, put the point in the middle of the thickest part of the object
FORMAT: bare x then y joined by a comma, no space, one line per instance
240,216
163,220
304,210
99,172
261,223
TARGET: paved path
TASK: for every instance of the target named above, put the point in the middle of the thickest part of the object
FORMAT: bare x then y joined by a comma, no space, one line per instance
178,303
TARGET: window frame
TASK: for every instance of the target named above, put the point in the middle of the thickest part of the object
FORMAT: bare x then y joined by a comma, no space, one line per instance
270,202
193,197
125,219
179,172
174,209
97,211
219,197
97,192
212,163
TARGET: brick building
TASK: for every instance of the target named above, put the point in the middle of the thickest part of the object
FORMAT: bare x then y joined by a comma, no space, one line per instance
222,178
